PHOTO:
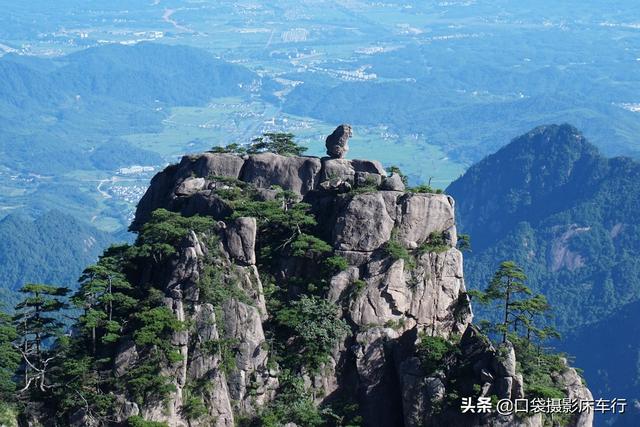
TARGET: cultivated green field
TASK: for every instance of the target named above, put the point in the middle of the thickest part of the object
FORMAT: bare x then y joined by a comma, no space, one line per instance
228,120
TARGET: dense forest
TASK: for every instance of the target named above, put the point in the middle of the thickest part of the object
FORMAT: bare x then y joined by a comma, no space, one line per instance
53,248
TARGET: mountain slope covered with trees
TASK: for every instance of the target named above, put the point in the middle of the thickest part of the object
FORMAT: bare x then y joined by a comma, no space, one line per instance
568,215
53,248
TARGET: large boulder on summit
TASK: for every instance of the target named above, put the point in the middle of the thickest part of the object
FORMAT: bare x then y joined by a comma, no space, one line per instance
338,142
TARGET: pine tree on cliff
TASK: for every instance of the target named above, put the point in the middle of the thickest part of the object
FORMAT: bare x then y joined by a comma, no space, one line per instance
272,142
37,322
508,288
507,284
526,312
277,142
103,297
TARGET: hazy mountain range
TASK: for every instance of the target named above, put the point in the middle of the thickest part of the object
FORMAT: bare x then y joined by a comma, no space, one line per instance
90,92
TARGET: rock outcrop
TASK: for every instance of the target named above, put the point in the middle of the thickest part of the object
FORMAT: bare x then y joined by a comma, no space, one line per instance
338,142
239,322
389,301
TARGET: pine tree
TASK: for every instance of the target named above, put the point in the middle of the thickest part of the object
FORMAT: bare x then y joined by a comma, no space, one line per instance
37,321
507,284
160,235
277,142
508,288
103,296
527,310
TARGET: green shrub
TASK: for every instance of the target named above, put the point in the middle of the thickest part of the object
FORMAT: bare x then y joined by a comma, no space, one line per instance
233,148
309,246
160,235
156,326
539,368
292,404
547,392
369,186
336,263
276,142
432,350
359,286
9,362
225,348
396,169
395,250
464,242
436,242
215,290
8,415
146,383
395,324
424,188
194,408
314,328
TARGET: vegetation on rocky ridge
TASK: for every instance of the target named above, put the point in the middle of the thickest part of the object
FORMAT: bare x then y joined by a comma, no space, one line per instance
121,302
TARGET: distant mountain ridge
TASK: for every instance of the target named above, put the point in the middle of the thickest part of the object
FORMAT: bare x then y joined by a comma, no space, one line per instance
141,73
532,171
551,202
75,102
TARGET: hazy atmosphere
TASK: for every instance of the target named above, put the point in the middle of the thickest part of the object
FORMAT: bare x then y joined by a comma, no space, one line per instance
527,113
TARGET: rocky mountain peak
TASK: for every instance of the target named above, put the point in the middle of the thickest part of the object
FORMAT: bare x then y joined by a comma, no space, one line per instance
400,286
548,167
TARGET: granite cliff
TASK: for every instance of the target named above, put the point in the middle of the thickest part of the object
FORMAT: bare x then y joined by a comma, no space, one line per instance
397,288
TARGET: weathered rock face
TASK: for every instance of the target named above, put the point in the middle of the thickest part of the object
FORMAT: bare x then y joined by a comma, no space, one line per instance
577,390
365,224
388,300
393,183
338,142
298,174
239,322
190,187
240,237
